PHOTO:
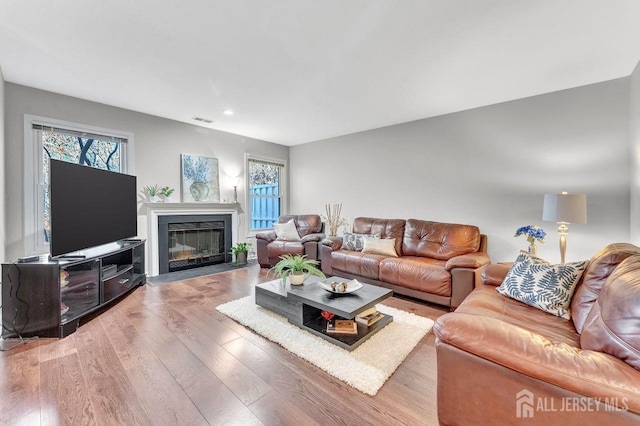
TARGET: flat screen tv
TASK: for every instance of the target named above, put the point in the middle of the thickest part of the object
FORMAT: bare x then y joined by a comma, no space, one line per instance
89,207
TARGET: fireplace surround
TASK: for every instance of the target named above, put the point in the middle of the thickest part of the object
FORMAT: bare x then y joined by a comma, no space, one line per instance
193,241
155,211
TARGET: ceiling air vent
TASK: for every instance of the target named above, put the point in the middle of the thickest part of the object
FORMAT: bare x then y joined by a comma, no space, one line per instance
202,120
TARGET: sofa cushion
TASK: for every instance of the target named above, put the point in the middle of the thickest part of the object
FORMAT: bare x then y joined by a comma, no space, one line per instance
537,283
600,266
613,325
353,241
439,240
531,355
385,247
278,248
386,228
286,231
484,301
356,263
417,273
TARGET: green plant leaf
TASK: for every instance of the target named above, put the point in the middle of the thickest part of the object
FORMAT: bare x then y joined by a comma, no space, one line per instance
289,263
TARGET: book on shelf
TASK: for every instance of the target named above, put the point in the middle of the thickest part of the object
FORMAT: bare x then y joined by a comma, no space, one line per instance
342,327
370,319
367,312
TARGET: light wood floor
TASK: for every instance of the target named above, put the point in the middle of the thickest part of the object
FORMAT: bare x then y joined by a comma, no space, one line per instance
164,356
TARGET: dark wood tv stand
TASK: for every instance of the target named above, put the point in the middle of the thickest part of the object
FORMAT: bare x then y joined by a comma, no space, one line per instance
50,297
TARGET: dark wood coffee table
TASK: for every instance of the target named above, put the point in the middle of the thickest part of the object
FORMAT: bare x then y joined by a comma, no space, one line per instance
302,306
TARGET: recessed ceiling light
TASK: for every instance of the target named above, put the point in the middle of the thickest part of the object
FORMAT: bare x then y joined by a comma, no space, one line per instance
228,112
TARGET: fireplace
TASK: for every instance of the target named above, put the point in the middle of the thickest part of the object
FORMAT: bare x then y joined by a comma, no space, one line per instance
193,241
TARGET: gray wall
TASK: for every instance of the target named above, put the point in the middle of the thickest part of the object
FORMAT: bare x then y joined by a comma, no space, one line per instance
634,152
2,173
488,166
158,143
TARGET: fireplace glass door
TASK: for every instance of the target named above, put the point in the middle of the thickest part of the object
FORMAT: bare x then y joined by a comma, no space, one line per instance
194,244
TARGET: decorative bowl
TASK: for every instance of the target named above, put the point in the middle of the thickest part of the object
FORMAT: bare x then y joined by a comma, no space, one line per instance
349,286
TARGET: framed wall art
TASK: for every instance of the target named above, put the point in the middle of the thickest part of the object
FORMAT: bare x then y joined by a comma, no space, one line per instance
200,179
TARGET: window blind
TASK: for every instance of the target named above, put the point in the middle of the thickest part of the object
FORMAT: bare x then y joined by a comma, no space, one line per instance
270,163
76,133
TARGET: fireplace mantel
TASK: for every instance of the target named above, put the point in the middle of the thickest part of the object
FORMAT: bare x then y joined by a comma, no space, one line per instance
154,210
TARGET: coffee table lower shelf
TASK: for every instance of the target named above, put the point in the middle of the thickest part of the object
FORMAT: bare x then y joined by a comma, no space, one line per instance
318,326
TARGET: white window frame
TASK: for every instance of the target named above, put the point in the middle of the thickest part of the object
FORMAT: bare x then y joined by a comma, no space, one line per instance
284,188
34,242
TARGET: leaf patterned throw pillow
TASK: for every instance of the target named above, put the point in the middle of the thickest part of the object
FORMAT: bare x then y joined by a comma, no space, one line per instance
355,242
537,283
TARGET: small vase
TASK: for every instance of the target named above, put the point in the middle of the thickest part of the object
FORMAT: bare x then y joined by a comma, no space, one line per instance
199,191
533,249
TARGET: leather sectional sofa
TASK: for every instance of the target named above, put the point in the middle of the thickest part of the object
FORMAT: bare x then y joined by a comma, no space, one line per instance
436,262
506,362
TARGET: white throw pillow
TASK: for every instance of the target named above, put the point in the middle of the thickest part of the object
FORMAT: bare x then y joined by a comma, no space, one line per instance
286,231
386,247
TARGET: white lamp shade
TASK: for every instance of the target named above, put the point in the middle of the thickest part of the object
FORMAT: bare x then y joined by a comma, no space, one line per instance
567,208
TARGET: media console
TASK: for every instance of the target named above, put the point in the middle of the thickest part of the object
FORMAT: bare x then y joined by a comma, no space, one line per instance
49,298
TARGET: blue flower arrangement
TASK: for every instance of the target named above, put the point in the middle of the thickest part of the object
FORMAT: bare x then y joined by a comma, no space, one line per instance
533,233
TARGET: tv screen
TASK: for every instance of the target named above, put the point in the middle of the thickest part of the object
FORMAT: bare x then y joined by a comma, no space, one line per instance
89,207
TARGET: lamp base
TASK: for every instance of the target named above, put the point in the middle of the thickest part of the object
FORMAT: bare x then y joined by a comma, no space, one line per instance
563,230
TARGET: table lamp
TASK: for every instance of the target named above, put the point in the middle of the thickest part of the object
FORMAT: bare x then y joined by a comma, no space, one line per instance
564,209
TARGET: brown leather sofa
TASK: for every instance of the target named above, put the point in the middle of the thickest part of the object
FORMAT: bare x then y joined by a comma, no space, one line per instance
437,262
311,231
500,360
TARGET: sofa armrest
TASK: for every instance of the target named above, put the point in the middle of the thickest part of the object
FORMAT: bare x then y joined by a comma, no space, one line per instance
469,260
495,273
267,236
334,242
465,273
328,245
533,355
312,237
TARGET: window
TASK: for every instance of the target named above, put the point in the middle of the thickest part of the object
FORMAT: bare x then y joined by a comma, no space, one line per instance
266,178
52,139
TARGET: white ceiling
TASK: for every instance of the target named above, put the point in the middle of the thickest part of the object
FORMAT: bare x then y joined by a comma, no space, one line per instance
296,71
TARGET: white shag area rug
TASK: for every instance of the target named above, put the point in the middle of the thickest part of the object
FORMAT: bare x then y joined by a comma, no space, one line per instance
366,368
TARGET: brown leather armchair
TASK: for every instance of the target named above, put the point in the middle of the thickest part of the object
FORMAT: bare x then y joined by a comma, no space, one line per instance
311,231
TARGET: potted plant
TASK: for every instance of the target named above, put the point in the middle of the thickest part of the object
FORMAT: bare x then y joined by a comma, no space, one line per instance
165,193
152,192
296,267
240,251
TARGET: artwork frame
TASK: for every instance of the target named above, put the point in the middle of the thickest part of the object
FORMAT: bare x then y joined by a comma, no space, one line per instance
200,179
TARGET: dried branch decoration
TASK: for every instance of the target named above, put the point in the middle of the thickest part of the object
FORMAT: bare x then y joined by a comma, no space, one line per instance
333,218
